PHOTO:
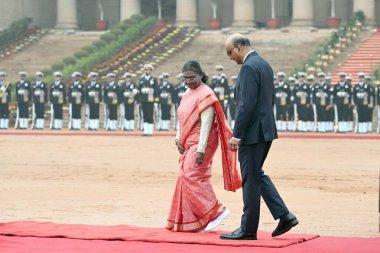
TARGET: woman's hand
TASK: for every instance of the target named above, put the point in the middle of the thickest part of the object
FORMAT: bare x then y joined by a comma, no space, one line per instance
179,146
199,157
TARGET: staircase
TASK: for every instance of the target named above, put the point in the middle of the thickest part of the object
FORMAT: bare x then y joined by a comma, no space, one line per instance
364,59
42,54
282,50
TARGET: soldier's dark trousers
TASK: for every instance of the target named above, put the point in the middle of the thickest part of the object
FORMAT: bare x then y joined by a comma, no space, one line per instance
232,111
280,112
165,112
39,109
94,111
23,112
76,111
148,112
343,111
362,113
129,111
290,111
58,111
112,112
302,113
4,111
321,113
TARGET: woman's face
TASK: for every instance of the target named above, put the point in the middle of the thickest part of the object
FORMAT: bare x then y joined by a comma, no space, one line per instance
191,79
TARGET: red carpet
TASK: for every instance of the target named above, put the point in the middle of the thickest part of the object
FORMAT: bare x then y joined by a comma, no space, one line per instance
129,233
287,135
36,237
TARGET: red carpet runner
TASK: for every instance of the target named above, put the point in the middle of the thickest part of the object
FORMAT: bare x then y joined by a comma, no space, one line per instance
43,237
129,233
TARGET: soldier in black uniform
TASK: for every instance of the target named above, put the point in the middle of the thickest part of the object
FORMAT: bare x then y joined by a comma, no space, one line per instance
23,97
371,106
57,100
40,98
361,101
179,91
350,115
291,108
76,96
232,102
303,102
331,112
5,98
322,102
148,98
130,96
112,99
219,84
378,107
311,114
93,99
342,93
281,101
166,92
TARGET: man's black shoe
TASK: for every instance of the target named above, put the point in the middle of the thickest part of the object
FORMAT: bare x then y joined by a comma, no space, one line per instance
239,234
285,224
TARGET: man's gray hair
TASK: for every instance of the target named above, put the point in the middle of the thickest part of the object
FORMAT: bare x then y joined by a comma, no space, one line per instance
244,42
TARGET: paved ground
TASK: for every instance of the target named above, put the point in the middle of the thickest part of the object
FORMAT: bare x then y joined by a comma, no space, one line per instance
332,185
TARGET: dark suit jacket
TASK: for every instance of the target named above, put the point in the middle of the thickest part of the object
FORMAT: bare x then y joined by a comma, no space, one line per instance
254,93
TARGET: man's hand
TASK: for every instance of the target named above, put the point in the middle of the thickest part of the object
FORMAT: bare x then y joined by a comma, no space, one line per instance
199,157
179,146
233,144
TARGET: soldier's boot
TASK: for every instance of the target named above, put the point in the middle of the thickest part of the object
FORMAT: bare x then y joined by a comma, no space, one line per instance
6,123
145,128
132,125
126,125
370,127
60,124
2,123
96,124
151,127
278,125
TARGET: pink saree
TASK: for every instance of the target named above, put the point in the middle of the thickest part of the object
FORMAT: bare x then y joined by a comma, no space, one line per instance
194,203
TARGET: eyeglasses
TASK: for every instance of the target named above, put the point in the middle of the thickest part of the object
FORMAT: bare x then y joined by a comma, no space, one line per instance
188,78
229,53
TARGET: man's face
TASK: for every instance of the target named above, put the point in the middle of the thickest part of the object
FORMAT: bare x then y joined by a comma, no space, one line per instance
2,78
76,78
22,77
301,79
321,79
58,78
220,72
112,79
233,52
39,78
342,78
128,79
93,79
280,79
147,71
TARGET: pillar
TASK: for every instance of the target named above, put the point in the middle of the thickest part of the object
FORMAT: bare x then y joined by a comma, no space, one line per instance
302,13
67,14
129,8
244,13
186,13
368,7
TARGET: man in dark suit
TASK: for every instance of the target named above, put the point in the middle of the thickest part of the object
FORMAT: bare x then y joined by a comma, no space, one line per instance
254,131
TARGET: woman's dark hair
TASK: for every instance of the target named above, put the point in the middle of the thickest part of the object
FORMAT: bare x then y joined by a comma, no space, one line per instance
196,68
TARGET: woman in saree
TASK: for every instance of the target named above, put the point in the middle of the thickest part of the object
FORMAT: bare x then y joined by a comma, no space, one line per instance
201,125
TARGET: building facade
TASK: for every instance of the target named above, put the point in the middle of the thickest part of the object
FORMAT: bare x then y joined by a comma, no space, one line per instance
83,14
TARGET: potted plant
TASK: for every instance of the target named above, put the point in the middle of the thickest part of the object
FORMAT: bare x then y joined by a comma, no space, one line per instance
332,21
273,22
214,22
101,24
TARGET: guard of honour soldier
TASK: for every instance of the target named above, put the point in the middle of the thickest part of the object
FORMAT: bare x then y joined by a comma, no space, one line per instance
301,104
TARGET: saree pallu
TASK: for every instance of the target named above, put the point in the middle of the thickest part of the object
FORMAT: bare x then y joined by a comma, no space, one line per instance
194,202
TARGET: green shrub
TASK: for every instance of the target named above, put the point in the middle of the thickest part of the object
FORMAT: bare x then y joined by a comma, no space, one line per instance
69,60
47,72
57,66
107,37
89,48
99,43
80,54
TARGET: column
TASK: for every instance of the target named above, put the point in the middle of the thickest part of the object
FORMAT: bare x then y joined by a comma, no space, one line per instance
129,8
66,14
244,13
302,13
186,13
368,7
